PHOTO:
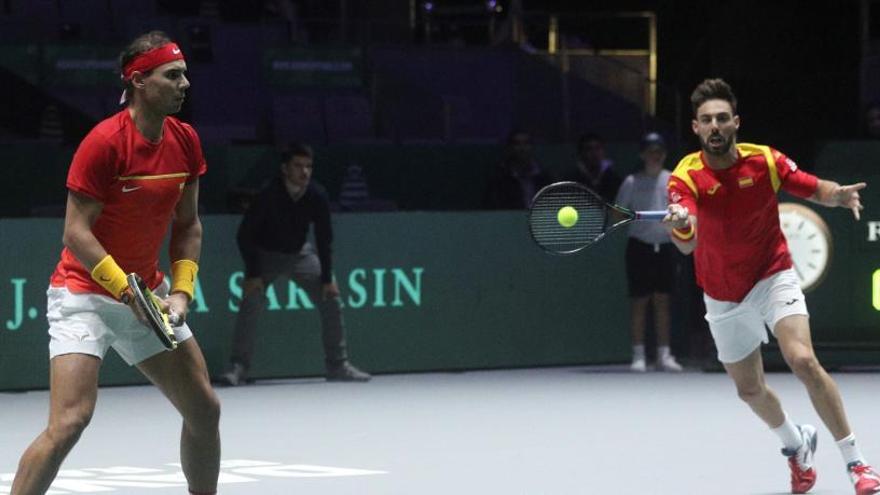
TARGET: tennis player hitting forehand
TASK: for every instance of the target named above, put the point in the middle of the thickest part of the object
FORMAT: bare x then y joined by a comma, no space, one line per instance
132,175
744,267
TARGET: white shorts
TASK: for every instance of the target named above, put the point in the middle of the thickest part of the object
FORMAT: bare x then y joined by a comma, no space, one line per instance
739,328
91,323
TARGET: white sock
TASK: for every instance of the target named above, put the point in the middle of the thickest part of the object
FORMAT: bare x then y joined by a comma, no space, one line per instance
639,352
663,352
850,450
789,433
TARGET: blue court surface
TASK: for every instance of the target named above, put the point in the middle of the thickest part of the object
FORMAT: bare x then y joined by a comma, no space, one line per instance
596,430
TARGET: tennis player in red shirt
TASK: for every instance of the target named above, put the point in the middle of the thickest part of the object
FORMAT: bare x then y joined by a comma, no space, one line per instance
723,208
132,176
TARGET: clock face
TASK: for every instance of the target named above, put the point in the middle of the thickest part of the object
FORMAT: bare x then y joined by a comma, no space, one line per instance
808,240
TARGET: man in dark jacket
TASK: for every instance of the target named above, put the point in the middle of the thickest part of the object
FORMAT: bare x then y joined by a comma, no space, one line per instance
517,178
273,242
593,169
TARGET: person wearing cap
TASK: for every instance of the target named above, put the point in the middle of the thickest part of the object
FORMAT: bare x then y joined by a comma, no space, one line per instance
135,174
650,255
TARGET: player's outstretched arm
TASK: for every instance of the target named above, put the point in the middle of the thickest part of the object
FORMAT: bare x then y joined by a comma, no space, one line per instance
832,194
682,228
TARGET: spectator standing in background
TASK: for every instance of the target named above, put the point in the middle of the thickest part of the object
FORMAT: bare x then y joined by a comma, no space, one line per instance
650,255
593,169
517,178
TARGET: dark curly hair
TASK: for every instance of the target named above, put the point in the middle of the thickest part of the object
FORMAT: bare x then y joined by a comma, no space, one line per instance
712,89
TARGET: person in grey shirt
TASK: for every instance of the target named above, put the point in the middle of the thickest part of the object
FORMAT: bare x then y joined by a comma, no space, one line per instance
650,255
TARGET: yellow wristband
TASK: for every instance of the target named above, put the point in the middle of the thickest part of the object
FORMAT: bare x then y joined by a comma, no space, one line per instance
684,235
183,277
108,274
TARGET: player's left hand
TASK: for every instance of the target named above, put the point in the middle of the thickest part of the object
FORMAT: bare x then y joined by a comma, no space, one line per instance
330,290
177,303
848,197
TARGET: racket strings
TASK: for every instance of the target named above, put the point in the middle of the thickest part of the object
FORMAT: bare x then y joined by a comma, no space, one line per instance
551,235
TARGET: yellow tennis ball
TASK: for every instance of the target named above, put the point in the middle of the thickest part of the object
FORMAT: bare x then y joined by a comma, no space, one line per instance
567,216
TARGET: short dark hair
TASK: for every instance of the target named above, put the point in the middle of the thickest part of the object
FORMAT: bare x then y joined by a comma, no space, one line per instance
296,149
712,89
141,44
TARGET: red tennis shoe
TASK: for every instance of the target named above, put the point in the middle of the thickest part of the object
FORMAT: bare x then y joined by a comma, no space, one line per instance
800,460
864,478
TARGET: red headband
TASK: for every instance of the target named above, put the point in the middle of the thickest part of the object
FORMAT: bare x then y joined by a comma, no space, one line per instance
151,59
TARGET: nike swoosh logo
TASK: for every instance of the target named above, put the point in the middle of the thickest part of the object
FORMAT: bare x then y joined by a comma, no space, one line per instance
104,278
712,189
175,50
130,189
789,303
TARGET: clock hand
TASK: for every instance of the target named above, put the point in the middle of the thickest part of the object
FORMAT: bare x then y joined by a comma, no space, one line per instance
798,270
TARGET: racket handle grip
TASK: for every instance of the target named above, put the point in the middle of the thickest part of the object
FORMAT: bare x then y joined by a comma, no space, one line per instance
174,319
655,215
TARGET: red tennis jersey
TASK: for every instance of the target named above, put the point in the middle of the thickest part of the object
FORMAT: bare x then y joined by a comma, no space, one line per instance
739,241
139,184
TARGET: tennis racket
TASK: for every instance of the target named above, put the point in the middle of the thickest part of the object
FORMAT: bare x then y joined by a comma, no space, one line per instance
566,217
159,321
